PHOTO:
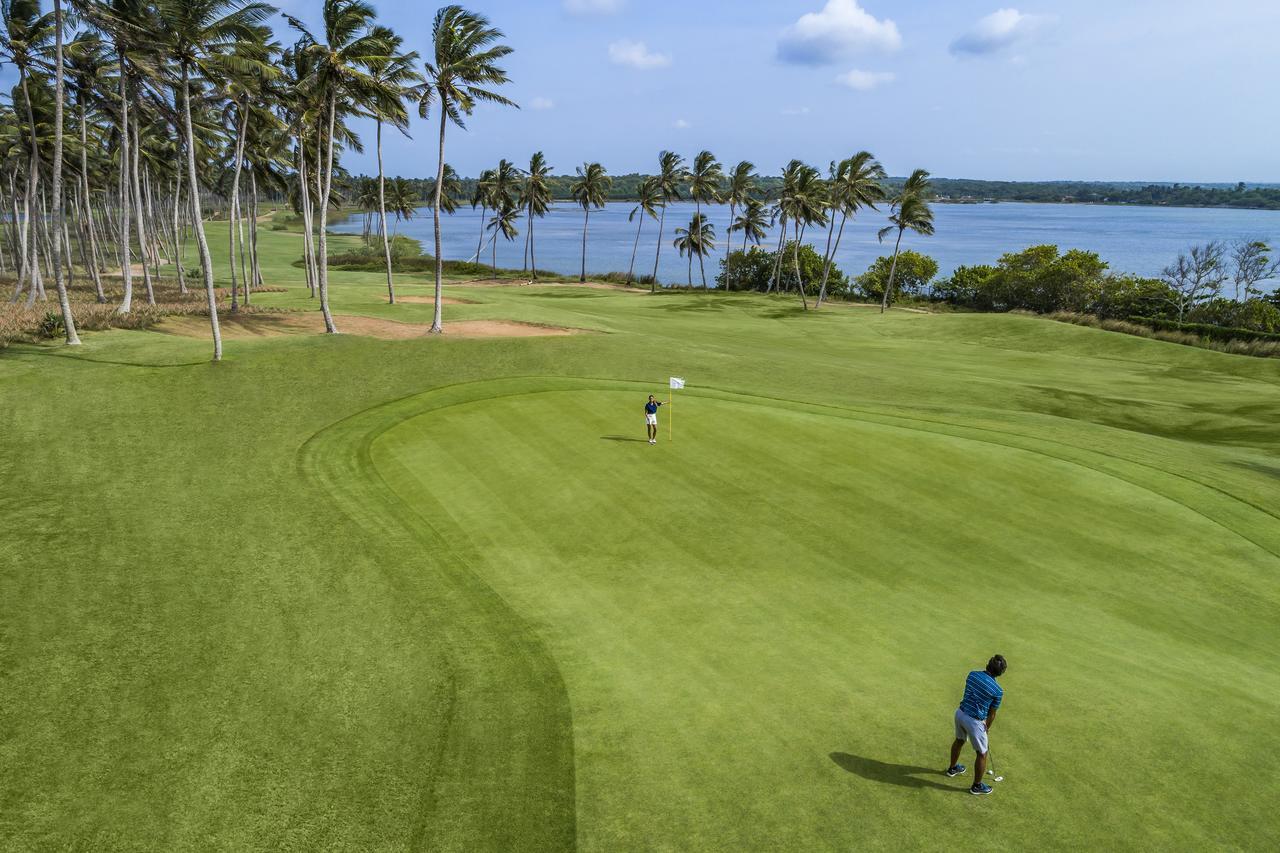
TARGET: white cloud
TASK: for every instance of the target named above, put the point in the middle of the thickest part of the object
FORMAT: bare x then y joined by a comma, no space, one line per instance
865,81
795,111
636,55
541,103
681,124
841,29
593,7
999,30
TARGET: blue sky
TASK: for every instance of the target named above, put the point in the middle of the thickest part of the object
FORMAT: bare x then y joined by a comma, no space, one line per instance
1029,89
1087,89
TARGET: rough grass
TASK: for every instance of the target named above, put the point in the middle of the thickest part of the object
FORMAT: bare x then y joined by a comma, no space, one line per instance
43,320
343,593
1259,348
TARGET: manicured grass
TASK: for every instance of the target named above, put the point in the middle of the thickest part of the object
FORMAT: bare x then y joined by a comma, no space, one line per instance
349,593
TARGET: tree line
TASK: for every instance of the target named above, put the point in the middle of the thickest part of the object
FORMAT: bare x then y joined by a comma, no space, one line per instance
511,198
627,187
129,117
1218,283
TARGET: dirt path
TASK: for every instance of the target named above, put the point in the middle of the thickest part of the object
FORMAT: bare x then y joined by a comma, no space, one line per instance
275,323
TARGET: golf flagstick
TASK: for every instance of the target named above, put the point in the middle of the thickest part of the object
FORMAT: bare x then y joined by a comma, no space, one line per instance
676,384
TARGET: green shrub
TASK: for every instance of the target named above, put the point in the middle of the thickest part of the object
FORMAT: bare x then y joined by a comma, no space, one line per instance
754,269
912,276
621,278
51,326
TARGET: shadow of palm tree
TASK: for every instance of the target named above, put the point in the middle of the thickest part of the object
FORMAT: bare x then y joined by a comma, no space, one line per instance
904,775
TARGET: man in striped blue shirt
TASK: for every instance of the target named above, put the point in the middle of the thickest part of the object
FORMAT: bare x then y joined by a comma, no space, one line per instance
974,718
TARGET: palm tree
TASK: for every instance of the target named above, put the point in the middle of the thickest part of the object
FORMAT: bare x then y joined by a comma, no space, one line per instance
803,204
704,185
451,191
464,59
698,239
648,205
197,35
670,176
742,184
341,71
480,198
535,200
86,57
753,222
910,212
856,185
504,223
27,34
590,190
246,76
402,200
395,76
503,191
790,174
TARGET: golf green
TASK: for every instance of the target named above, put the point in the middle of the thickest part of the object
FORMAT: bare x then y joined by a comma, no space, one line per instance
349,593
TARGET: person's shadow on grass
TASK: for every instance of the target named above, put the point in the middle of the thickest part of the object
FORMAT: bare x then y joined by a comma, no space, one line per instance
622,438
905,775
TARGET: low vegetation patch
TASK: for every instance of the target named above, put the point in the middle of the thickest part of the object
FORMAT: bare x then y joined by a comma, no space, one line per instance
1238,342
42,321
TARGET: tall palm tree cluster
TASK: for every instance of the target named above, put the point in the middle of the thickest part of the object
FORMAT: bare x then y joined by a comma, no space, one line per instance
806,200
131,118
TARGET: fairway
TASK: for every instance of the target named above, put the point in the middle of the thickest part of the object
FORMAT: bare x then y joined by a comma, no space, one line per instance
349,593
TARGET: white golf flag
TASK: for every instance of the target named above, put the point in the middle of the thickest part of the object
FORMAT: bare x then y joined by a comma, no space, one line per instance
677,382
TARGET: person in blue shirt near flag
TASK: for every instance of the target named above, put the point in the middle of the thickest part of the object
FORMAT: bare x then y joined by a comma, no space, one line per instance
974,717
651,418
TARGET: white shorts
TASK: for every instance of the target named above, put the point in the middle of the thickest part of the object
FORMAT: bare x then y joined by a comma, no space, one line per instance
651,420
975,731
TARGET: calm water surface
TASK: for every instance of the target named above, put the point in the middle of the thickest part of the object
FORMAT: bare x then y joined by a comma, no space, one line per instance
1139,240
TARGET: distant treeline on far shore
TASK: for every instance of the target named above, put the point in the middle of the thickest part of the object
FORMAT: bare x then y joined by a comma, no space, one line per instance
965,191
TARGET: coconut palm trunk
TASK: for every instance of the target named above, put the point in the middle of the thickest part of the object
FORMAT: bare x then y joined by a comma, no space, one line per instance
484,213
126,262
234,206
139,224
826,258
308,250
527,235
702,268
634,247
382,218
662,215
323,225
197,215
437,319
87,211
586,218
64,302
804,300
775,279
177,232
893,269
831,258
254,262
533,260
728,236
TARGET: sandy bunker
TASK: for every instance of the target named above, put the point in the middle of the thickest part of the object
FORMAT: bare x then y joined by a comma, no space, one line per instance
269,324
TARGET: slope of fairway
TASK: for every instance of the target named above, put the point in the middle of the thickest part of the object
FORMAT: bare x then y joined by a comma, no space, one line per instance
750,627
349,593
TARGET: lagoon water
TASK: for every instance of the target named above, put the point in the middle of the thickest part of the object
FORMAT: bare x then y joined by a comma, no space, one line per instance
1141,240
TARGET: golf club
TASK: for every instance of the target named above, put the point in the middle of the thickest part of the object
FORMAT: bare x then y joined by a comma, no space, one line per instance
991,767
